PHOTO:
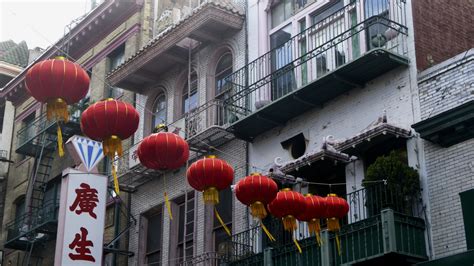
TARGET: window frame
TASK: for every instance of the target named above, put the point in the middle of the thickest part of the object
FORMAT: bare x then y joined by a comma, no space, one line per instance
194,92
162,93
143,242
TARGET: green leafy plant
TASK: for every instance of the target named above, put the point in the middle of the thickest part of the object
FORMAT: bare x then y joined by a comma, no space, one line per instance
402,183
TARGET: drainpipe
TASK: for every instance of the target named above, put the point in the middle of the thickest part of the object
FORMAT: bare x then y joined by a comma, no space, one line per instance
247,222
116,228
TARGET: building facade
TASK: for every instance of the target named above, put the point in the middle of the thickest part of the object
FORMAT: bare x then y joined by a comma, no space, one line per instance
179,78
99,41
446,98
318,94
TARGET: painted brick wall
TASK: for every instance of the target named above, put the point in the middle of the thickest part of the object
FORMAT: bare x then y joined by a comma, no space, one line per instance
442,29
449,170
151,194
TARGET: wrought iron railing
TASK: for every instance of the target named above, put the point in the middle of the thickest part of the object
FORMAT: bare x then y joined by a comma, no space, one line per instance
205,259
242,245
330,43
27,222
369,202
365,207
211,113
30,131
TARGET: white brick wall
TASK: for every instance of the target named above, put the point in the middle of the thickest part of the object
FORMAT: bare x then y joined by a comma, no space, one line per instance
449,170
151,193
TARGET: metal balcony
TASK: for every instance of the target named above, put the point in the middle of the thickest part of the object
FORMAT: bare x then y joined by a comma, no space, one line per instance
210,22
341,52
39,226
380,227
206,125
29,137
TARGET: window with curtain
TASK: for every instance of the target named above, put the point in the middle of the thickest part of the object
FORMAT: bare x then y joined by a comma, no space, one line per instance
159,110
375,34
190,101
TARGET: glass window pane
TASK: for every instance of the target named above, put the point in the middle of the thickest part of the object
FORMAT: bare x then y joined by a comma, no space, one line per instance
224,68
154,232
190,103
159,109
224,207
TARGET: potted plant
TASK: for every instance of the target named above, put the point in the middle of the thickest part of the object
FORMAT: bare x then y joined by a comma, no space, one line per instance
402,186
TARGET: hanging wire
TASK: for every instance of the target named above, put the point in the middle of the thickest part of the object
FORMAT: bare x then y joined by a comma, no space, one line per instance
143,107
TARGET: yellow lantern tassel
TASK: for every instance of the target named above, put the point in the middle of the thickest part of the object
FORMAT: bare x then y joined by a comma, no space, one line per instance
57,109
116,182
211,195
334,226
314,227
289,223
257,209
112,145
297,245
168,205
60,141
222,222
267,232
338,244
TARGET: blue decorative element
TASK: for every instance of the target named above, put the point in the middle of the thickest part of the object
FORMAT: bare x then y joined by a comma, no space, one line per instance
89,151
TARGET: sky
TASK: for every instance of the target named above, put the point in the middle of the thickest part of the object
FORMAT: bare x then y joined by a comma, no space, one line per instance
38,22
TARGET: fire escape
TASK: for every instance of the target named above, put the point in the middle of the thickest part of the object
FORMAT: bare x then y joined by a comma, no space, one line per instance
38,140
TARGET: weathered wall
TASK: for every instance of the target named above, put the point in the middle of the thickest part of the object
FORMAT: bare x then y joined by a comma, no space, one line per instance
443,29
450,170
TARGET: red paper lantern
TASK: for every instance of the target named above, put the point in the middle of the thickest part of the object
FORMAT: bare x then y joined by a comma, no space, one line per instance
163,151
256,191
336,208
315,210
110,121
57,82
210,175
288,205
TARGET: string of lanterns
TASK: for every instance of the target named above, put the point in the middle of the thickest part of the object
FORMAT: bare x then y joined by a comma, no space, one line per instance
59,82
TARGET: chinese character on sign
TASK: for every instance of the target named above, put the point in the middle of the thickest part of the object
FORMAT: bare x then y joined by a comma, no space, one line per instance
81,245
86,200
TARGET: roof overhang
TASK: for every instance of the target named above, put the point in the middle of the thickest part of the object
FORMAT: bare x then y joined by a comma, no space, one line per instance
374,136
319,157
209,23
449,127
85,35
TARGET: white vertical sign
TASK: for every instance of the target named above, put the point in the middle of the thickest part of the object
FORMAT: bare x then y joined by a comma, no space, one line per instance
81,219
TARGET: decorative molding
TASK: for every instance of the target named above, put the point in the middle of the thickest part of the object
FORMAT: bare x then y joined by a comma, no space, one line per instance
172,36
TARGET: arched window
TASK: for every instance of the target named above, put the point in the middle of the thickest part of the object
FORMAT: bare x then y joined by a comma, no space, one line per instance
190,102
224,68
159,110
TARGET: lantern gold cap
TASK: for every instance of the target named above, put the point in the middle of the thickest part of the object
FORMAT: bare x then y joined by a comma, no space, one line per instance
332,195
211,156
60,57
255,174
308,195
286,189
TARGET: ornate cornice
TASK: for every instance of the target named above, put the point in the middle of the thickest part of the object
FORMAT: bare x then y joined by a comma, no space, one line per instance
170,37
